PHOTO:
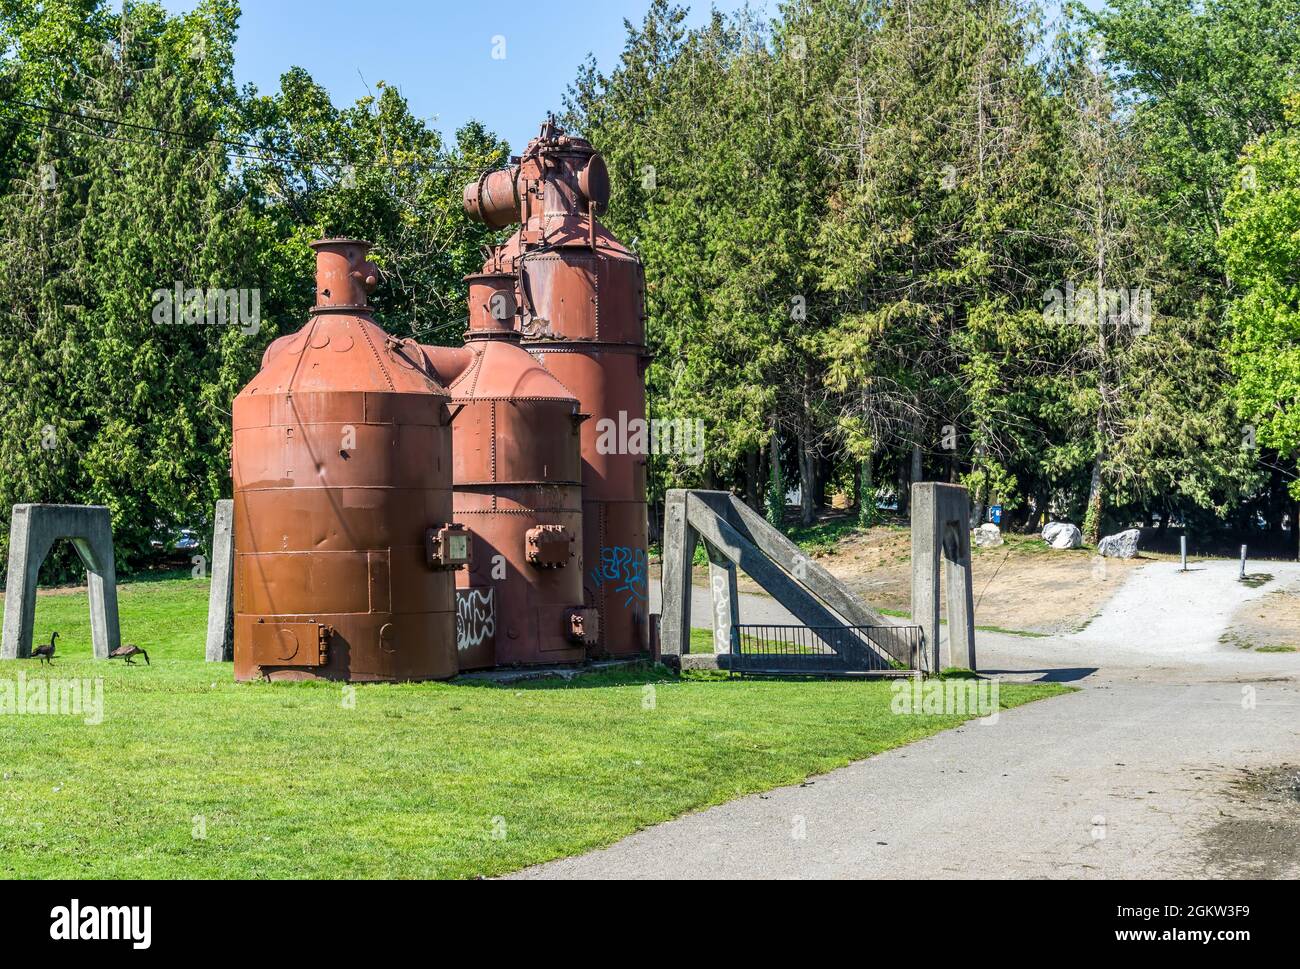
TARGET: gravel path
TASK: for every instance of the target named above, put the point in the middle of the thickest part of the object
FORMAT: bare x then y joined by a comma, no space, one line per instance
1155,768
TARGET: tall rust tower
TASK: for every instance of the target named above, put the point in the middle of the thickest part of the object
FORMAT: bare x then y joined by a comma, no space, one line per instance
580,298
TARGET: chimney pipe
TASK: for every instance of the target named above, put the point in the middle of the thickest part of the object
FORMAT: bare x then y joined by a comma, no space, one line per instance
344,277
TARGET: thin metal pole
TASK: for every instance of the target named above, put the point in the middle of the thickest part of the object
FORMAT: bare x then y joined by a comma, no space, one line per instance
1182,541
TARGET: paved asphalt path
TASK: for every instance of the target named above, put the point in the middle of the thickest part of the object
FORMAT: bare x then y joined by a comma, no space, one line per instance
1131,777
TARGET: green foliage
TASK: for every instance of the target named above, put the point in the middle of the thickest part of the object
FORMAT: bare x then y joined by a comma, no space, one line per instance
1261,247
135,166
853,217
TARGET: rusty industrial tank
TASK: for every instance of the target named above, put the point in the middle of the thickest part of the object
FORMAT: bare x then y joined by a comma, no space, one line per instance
517,477
344,538
580,297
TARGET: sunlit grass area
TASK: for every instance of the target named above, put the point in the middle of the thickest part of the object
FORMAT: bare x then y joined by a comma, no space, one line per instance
192,775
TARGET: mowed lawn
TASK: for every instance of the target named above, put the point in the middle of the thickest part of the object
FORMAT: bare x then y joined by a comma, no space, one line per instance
192,775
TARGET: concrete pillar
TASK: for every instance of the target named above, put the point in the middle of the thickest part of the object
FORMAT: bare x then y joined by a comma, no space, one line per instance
725,598
925,570
680,540
32,533
941,527
960,596
220,643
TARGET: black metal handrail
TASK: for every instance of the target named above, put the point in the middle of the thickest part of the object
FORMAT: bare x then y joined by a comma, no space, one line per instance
827,650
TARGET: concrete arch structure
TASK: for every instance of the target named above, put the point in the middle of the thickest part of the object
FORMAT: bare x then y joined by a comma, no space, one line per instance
33,531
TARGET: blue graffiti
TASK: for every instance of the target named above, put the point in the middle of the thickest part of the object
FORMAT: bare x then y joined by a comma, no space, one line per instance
627,567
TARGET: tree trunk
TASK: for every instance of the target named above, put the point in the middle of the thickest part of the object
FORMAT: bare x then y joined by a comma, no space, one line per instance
775,484
807,480
753,480
866,488
904,487
1092,517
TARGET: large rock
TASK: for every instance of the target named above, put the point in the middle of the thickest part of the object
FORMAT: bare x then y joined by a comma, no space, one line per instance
1123,545
987,535
1062,535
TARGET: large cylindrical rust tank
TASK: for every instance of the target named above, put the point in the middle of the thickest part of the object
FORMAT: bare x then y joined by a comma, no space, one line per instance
344,541
581,299
517,475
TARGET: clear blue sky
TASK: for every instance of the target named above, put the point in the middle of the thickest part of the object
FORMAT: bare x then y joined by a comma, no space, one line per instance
439,53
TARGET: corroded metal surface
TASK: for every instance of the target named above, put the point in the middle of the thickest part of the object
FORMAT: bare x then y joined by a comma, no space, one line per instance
342,467
517,472
579,297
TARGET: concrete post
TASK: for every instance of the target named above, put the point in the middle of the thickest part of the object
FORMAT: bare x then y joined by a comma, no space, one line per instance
680,540
1182,545
1243,563
960,595
220,643
32,533
941,525
925,570
726,599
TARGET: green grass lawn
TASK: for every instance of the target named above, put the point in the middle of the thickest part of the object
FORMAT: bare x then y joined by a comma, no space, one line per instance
420,780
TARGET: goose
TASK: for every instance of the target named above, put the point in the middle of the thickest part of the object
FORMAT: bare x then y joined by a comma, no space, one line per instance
45,653
127,651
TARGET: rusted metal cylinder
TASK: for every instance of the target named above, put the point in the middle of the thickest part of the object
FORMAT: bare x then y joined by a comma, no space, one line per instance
581,309
494,198
343,510
517,470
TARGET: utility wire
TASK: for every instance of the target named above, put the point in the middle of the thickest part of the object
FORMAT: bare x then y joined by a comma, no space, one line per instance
199,143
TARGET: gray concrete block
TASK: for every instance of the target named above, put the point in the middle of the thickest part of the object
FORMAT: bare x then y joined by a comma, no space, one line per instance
680,540
33,530
221,607
941,530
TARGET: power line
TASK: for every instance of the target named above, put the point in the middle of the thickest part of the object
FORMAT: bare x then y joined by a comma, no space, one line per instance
230,145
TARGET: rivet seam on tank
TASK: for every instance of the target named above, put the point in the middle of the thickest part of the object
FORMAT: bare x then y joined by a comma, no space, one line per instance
473,371
301,350
494,452
379,360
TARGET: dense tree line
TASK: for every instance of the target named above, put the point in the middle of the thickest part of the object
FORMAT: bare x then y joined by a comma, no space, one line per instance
885,240
131,164
889,240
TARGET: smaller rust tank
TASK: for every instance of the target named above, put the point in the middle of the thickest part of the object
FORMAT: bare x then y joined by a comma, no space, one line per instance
517,468
344,542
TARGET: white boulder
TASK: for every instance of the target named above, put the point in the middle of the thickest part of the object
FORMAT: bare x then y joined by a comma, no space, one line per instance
987,535
1123,545
1062,535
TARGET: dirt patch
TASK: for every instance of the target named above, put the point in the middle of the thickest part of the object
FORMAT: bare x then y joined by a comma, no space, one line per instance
1259,836
1269,624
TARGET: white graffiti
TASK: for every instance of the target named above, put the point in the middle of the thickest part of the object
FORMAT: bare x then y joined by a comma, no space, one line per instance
721,615
476,617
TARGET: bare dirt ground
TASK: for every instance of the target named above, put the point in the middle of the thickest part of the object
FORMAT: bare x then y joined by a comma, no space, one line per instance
1269,624
1259,836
